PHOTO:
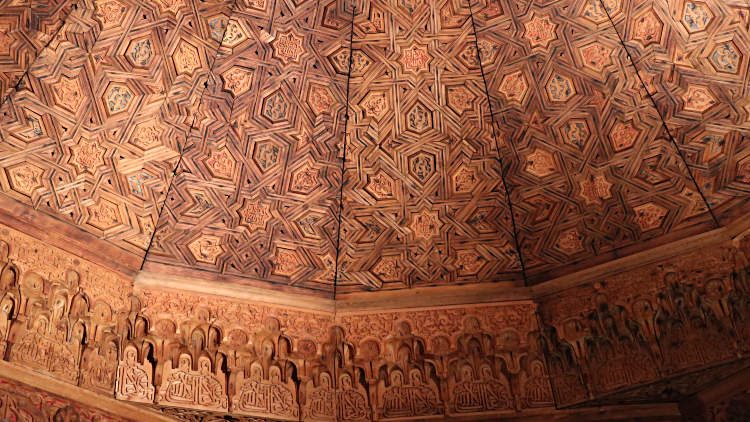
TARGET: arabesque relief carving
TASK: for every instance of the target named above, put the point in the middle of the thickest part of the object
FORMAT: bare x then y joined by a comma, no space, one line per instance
221,356
690,312
21,402
226,357
425,363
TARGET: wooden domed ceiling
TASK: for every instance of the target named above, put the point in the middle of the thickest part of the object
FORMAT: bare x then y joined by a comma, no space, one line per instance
208,137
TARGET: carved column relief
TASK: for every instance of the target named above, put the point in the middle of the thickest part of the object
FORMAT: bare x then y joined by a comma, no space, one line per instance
654,322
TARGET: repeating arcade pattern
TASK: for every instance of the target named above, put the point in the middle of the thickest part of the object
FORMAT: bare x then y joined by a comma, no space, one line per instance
689,312
207,354
447,361
203,355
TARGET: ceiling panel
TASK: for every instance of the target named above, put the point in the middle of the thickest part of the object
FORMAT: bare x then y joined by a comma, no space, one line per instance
593,172
557,143
92,135
25,28
256,197
424,202
693,56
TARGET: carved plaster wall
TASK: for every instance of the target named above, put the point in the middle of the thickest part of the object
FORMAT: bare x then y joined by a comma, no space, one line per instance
19,402
654,322
191,354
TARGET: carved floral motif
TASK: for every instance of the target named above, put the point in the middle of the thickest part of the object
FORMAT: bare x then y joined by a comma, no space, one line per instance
698,98
68,94
237,80
25,178
87,155
514,87
540,31
647,28
425,224
415,58
186,58
213,354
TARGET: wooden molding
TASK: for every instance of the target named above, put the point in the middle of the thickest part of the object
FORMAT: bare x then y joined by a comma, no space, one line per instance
160,281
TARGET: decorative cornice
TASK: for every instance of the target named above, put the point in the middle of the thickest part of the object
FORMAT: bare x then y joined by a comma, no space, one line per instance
465,294
60,234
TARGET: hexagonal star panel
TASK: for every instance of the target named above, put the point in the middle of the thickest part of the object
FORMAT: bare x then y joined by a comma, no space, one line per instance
255,201
695,65
592,172
24,31
463,119
424,202
94,130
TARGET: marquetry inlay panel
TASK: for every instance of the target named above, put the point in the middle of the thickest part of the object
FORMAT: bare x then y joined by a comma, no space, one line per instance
256,194
396,144
25,28
95,129
424,202
592,170
693,57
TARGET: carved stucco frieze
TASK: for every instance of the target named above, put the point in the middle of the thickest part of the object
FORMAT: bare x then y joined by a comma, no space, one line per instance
654,322
29,254
200,353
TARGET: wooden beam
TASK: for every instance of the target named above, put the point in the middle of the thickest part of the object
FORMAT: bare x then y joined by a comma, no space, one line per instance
67,237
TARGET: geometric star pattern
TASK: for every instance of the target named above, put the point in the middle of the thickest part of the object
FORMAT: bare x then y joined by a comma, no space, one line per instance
445,206
697,73
505,141
588,109
24,31
261,169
